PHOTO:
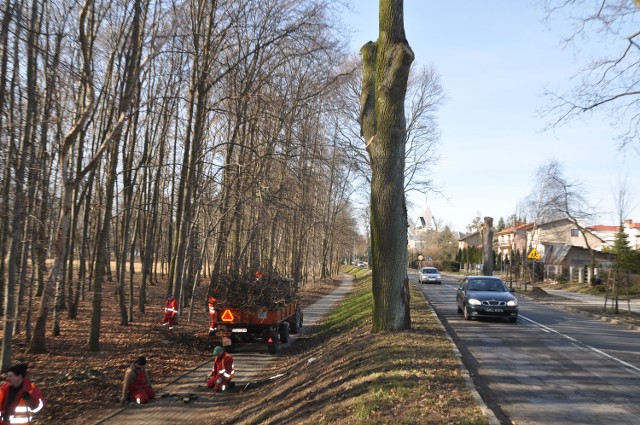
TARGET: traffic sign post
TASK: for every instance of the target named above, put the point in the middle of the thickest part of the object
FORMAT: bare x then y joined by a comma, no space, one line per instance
534,256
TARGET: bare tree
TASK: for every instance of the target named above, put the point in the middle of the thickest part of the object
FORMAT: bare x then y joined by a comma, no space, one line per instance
127,95
425,94
624,200
386,65
37,343
228,140
20,208
7,152
609,83
556,197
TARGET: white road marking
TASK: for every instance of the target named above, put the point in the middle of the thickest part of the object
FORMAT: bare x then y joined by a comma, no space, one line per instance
582,344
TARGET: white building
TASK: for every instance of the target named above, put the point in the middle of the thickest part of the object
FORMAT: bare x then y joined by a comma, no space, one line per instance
608,232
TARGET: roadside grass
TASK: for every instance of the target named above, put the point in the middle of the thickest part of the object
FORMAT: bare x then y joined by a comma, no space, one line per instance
341,373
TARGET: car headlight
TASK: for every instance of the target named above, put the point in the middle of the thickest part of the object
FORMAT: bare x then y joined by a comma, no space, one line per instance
473,301
512,303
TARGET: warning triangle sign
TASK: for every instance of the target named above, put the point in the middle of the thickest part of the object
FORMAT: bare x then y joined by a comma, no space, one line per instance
227,316
533,254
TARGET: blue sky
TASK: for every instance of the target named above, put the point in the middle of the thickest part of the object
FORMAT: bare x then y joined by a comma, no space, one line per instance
495,59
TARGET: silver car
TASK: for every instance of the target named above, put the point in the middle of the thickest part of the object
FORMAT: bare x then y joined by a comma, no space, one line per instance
430,275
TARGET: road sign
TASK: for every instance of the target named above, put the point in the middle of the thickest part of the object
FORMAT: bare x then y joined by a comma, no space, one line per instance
533,254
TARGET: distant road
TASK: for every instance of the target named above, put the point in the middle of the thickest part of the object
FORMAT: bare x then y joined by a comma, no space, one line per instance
551,367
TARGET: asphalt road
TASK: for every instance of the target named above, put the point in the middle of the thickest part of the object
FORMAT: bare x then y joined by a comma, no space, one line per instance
551,367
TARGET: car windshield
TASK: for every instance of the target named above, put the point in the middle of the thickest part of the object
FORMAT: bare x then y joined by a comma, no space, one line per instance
429,270
487,285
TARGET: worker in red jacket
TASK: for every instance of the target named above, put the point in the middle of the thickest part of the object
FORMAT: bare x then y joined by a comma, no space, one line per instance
136,385
19,398
223,371
212,313
170,310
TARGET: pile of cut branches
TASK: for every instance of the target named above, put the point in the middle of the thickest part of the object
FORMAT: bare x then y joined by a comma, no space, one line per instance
259,291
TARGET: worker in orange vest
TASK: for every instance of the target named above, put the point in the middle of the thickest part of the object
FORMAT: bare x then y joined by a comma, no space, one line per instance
170,310
212,313
19,398
223,371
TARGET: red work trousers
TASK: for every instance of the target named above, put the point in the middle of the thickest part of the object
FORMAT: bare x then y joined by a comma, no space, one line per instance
143,393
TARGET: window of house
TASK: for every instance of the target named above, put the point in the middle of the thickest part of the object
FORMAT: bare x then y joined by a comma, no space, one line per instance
574,233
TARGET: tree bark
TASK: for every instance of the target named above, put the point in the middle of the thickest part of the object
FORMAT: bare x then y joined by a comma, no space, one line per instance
19,209
386,65
128,96
487,247
7,17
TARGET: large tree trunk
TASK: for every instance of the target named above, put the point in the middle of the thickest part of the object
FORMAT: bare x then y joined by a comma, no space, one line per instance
487,247
386,65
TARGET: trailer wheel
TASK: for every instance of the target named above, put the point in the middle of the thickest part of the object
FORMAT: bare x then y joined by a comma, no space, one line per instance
273,345
296,323
284,332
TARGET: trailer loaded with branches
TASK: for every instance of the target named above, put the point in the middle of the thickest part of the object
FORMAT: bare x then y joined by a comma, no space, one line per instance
263,308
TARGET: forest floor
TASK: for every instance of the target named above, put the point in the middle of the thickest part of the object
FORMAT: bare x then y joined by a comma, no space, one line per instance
75,381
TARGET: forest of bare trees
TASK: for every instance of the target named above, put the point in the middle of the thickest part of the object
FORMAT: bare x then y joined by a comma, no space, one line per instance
195,138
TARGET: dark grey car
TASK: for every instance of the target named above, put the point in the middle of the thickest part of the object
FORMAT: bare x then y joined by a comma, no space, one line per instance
486,296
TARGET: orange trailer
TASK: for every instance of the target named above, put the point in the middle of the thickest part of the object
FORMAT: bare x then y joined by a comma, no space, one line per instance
236,325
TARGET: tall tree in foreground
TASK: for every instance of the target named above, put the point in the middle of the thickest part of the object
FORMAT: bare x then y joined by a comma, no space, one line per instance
385,72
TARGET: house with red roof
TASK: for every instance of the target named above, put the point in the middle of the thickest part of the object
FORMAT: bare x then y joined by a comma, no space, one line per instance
512,239
608,232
